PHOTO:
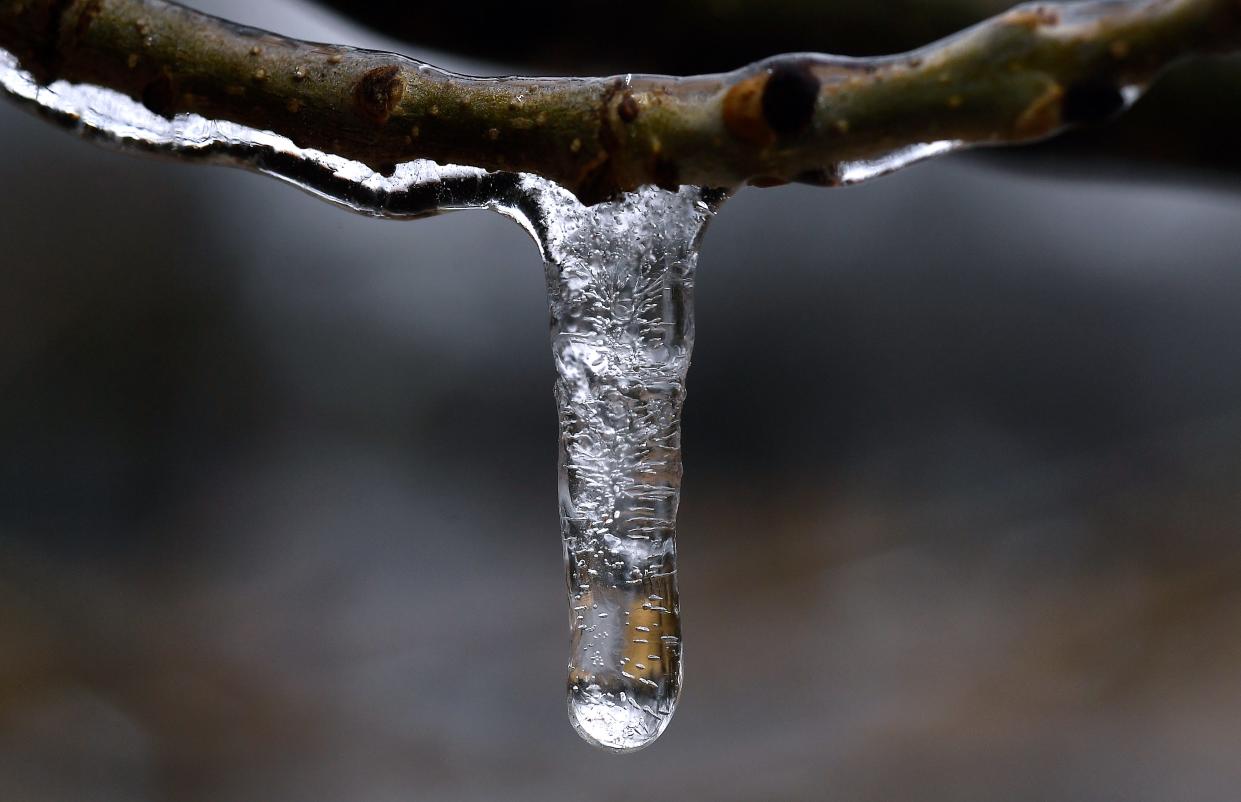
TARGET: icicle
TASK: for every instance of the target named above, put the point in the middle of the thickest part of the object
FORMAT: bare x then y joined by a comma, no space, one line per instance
620,278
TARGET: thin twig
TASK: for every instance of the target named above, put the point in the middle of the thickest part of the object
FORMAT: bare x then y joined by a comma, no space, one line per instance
1023,75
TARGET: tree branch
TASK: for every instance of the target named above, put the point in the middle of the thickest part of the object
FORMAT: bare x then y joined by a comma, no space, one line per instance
1021,76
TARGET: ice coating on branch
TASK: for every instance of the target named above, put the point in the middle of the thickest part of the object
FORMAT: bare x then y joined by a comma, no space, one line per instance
414,189
857,172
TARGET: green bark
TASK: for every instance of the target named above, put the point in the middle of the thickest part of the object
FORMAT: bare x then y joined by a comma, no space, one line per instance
1020,76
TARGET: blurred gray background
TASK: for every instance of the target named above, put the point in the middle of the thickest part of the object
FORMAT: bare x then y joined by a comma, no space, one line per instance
278,514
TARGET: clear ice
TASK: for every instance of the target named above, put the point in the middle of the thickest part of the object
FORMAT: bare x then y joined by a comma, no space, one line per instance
620,279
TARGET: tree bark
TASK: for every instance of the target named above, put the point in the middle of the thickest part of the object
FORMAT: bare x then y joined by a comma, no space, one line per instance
1020,76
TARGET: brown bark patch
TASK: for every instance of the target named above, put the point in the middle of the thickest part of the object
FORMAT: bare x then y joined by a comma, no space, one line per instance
628,109
1041,117
1034,17
378,92
743,111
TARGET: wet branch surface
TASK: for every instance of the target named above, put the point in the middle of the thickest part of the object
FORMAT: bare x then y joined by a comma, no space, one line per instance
1021,76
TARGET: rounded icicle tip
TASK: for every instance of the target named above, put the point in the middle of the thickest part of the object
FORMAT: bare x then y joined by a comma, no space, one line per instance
614,722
